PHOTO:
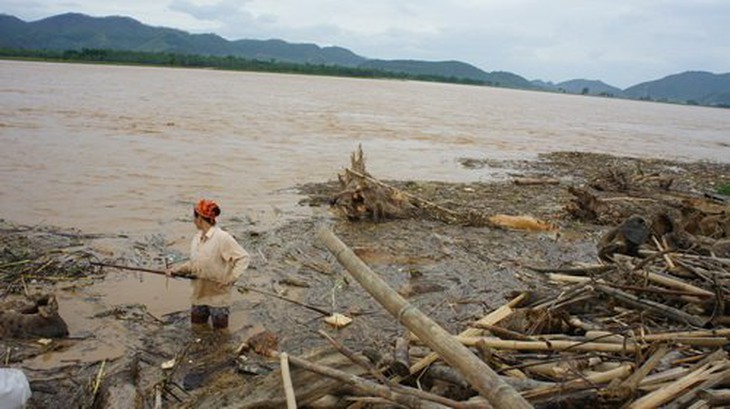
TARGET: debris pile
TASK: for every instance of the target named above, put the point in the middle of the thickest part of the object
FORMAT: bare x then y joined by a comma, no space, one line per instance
643,328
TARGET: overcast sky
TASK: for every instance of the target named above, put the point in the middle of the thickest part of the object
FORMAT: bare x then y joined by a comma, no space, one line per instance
621,42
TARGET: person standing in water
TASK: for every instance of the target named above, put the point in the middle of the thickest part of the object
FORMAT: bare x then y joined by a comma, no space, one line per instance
216,262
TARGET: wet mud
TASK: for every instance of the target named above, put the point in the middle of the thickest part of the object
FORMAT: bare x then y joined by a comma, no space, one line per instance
453,273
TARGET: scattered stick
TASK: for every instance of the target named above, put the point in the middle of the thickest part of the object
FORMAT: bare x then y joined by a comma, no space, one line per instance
535,181
291,400
657,308
555,345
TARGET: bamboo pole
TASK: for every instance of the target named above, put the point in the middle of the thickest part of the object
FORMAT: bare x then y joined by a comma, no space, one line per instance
673,283
666,336
410,397
661,396
580,383
655,307
480,376
490,319
556,345
716,397
716,379
291,400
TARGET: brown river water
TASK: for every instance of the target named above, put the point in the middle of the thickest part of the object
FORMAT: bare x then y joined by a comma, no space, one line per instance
128,150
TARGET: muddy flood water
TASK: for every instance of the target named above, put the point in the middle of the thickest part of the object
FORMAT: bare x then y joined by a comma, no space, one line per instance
123,152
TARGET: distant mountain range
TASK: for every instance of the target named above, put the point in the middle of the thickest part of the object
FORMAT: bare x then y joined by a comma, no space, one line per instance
73,31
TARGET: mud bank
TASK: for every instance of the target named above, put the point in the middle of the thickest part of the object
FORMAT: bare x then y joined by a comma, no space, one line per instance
455,274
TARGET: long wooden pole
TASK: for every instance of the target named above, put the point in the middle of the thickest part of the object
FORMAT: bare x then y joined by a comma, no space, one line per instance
479,375
241,288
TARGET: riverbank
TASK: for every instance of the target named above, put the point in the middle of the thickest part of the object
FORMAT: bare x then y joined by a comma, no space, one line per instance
454,273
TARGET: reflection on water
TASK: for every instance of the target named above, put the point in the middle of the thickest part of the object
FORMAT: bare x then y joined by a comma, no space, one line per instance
128,150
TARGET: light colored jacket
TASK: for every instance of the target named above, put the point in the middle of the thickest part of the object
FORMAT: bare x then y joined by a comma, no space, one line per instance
217,261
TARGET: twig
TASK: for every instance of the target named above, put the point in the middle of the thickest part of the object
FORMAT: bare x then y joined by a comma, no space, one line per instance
322,311
356,359
291,400
99,377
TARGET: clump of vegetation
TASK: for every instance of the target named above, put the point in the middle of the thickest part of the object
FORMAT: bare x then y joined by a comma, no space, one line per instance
40,254
724,190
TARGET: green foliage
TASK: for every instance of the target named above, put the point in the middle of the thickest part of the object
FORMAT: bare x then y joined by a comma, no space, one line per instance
225,63
724,190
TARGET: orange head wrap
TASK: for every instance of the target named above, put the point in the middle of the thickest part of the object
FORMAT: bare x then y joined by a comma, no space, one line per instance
208,209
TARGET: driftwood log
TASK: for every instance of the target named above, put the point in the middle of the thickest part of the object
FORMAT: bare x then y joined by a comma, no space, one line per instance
363,197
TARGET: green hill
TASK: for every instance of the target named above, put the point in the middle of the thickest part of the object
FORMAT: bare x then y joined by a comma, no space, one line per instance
455,69
693,87
75,31
589,87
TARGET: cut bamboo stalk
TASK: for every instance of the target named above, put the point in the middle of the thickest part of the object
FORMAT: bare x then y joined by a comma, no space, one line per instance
700,404
480,376
666,336
655,307
715,397
556,345
291,400
607,337
401,359
661,248
716,379
405,395
503,332
707,342
540,394
663,377
566,278
630,385
661,396
490,319
633,381
673,283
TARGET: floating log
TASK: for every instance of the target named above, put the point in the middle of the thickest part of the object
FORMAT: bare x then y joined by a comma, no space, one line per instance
480,376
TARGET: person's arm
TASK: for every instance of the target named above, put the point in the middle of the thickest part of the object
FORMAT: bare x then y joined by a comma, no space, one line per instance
184,269
234,253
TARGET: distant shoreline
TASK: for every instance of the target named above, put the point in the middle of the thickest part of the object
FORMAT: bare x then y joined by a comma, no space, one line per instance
230,63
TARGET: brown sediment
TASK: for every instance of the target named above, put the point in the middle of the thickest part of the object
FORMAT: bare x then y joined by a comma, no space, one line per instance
453,273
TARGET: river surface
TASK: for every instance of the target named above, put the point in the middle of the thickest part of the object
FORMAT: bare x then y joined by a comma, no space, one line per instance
128,150
120,149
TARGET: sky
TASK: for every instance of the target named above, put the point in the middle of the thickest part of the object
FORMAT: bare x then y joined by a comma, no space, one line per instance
621,42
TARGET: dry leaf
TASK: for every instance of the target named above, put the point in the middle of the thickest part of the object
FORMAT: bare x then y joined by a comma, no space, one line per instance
338,320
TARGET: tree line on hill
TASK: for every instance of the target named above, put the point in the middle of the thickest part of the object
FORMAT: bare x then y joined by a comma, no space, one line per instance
226,63
77,37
